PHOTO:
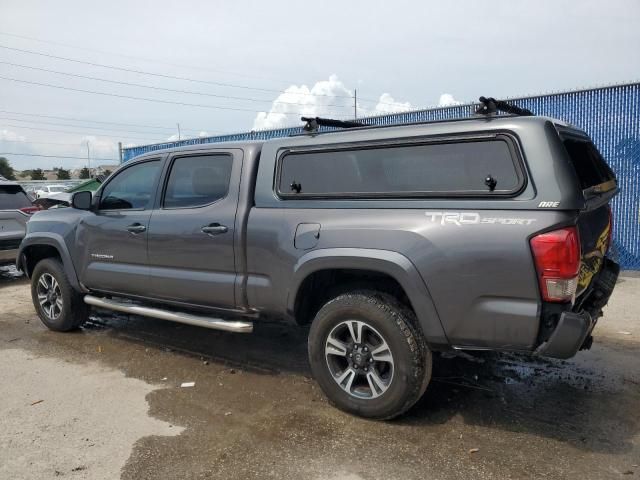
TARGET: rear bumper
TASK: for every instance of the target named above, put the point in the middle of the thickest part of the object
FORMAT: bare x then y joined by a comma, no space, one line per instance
574,327
570,333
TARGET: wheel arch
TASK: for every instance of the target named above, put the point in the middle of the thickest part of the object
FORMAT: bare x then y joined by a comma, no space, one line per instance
46,245
332,271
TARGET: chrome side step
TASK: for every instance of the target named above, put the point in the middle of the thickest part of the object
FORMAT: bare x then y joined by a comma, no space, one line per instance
188,318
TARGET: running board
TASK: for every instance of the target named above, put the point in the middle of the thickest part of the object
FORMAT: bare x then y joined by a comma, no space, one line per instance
189,319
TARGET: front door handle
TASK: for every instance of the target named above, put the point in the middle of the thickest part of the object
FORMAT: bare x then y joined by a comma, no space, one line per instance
214,229
136,228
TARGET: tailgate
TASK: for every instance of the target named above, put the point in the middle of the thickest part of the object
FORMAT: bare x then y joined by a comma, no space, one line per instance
12,228
12,220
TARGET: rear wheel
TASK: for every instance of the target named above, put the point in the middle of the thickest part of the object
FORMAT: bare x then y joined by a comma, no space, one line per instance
368,355
58,305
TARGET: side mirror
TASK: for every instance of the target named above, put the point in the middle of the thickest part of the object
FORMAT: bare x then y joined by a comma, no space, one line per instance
81,200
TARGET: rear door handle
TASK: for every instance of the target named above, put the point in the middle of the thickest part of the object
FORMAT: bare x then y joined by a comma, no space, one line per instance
136,228
214,229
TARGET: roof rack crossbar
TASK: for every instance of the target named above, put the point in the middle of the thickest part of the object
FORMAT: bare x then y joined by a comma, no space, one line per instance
313,123
489,106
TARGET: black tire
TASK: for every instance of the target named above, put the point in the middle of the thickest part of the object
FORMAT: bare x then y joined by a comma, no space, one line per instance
70,311
408,367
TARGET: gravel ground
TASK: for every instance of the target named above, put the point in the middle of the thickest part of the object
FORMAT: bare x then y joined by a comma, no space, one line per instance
106,402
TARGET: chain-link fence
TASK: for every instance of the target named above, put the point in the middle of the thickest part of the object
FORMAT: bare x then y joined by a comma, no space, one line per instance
610,115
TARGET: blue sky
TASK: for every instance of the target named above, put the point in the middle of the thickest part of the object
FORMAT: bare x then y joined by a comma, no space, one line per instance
309,56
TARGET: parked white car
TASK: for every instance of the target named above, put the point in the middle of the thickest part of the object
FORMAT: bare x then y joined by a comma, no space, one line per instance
47,190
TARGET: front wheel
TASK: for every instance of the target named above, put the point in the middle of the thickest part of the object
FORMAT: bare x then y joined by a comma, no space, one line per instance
58,305
368,355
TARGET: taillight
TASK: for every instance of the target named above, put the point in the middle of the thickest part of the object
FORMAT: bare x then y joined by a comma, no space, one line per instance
557,258
30,210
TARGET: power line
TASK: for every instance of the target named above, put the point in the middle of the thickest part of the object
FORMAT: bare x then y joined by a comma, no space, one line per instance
81,133
141,72
29,142
173,90
186,79
108,135
170,129
134,57
131,97
82,126
57,156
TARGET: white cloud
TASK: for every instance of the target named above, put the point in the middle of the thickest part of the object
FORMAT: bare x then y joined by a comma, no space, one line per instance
447,100
329,98
386,104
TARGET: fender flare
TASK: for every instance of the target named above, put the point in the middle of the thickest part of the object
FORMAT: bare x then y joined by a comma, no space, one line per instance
53,240
387,262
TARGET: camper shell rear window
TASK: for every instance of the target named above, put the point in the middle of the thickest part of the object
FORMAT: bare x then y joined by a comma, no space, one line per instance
454,167
592,171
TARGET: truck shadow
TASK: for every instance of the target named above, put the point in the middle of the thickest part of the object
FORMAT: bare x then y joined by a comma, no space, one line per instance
591,406
272,348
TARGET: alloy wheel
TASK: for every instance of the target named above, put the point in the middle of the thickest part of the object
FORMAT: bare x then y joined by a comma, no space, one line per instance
359,359
49,296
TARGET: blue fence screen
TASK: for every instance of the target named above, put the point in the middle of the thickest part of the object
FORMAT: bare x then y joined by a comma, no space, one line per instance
610,115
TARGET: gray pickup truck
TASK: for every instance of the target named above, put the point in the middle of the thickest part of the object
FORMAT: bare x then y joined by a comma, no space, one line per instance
485,233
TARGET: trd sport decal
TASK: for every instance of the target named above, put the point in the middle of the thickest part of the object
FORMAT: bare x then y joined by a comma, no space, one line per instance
474,218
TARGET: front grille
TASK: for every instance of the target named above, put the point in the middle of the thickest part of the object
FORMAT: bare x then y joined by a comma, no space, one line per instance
11,244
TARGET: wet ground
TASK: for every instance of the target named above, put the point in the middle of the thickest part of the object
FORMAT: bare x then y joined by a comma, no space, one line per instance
255,412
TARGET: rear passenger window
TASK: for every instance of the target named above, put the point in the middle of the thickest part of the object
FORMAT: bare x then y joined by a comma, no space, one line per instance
401,171
199,180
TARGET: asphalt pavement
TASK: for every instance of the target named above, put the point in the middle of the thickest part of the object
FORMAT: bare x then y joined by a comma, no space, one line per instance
107,402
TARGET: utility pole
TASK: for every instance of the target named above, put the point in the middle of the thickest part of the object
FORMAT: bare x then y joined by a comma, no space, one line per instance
89,160
355,104
179,137
120,151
